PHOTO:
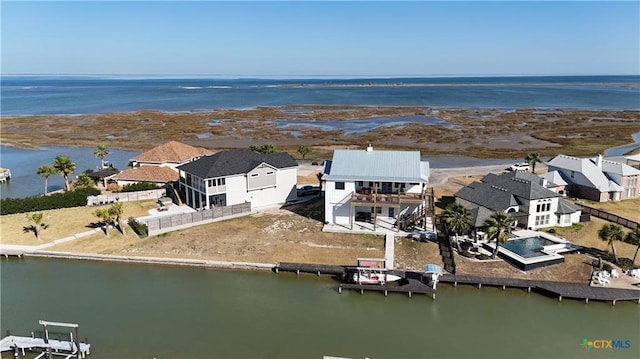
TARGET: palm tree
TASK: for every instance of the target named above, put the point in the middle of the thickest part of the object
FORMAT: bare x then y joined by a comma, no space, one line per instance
105,216
38,225
609,233
46,171
458,220
101,152
498,227
633,237
116,211
63,165
533,158
303,150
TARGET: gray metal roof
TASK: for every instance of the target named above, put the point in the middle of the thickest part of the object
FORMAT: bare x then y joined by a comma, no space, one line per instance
566,207
377,165
227,163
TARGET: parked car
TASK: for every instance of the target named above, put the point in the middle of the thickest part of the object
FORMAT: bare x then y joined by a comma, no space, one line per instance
523,166
307,190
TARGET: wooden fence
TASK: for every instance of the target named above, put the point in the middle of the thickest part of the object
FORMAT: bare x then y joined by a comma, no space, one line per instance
609,217
174,222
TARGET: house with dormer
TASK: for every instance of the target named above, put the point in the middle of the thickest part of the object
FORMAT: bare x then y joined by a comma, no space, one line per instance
238,176
597,179
377,185
527,198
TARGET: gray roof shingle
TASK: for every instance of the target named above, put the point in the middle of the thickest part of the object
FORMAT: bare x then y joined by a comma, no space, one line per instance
234,162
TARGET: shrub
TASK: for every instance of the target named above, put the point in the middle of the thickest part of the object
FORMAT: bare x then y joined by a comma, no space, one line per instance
467,254
483,257
75,198
551,230
314,163
139,186
113,187
138,227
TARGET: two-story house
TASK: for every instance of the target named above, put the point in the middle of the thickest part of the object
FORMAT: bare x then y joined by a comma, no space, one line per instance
368,185
524,196
597,179
238,176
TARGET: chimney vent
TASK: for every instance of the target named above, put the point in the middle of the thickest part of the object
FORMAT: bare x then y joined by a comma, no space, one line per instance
369,148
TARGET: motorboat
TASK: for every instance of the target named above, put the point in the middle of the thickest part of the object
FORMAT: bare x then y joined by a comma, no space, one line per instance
367,275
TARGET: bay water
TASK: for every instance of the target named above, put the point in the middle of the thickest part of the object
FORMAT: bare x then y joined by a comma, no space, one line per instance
152,311
30,95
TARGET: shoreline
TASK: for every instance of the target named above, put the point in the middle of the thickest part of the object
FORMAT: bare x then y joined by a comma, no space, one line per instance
538,286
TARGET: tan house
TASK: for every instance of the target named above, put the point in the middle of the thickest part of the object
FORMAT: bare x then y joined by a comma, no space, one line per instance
158,165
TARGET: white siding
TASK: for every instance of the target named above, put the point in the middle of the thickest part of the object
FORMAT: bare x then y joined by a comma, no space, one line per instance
337,202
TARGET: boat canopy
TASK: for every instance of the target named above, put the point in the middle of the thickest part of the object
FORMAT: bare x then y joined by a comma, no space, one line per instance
432,268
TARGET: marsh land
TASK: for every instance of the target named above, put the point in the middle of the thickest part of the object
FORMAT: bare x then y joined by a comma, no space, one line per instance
476,132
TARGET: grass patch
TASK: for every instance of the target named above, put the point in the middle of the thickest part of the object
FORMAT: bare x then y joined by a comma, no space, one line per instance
62,223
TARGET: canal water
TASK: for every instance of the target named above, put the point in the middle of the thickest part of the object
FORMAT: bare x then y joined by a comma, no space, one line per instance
151,311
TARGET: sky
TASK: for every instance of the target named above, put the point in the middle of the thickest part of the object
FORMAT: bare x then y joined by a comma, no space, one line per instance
305,38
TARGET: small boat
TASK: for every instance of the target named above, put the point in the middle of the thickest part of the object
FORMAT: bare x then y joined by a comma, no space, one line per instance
367,275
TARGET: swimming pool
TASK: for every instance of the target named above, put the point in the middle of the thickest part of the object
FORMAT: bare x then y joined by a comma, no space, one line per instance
528,247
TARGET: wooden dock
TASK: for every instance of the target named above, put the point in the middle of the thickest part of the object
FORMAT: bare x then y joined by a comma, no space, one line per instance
317,269
580,291
413,282
46,346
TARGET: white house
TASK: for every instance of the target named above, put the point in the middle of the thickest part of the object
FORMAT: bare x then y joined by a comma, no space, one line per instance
526,197
238,176
368,185
597,179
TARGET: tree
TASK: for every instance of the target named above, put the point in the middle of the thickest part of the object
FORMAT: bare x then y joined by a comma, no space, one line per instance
38,225
498,227
320,177
101,152
46,171
611,232
458,220
264,149
83,181
633,237
105,215
63,165
533,158
116,211
303,150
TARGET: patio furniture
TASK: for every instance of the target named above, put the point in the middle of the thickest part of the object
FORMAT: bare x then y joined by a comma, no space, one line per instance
635,273
615,274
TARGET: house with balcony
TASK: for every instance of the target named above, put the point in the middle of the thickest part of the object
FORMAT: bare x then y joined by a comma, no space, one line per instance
377,187
238,176
527,198
597,179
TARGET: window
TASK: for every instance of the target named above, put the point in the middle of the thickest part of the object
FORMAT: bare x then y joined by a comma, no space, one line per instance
359,183
339,185
370,184
269,173
221,182
543,207
254,175
542,220
632,182
377,210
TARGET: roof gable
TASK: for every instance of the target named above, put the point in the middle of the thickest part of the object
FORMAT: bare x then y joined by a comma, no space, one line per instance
378,165
172,151
235,162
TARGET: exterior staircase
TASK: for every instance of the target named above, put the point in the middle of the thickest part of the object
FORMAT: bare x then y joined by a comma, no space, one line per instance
446,251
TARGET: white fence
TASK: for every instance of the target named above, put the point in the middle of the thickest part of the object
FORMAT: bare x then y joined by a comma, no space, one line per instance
125,197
